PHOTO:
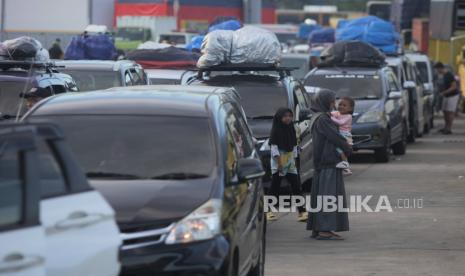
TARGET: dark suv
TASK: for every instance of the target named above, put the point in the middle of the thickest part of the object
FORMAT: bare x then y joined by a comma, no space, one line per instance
18,77
263,90
181,171
379,119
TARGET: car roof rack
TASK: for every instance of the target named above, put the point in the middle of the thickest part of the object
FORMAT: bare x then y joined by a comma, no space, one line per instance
242,67
26,65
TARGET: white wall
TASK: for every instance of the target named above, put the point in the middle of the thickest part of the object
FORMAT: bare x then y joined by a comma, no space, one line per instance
46,15
103,12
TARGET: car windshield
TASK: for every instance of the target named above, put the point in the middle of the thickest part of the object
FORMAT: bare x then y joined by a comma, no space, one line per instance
172,39
349,85
89,80
139,147
286,37
261,101
423,71
10,99
296,62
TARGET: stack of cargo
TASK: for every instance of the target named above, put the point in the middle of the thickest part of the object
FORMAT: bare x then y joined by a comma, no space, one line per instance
372,30
246,45
164,58
352,53
23,49
91,47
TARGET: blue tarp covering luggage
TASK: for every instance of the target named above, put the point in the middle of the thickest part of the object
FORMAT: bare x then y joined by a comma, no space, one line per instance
323,36
94,47
229,25
306,29
196,43
372,30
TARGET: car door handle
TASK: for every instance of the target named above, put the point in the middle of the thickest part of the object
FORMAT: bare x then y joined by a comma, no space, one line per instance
18,261
79,219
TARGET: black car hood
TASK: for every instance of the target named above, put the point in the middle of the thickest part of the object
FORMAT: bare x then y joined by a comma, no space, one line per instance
153,203
261,128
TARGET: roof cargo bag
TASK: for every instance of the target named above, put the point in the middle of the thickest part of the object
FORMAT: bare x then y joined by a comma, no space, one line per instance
352,53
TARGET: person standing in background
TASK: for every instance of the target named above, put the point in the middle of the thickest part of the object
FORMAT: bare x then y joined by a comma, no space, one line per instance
55,51
450,93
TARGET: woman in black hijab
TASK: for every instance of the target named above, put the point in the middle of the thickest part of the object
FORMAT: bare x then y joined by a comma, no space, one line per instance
328,180
283,143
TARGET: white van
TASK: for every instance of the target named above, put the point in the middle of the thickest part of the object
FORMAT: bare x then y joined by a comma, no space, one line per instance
51,221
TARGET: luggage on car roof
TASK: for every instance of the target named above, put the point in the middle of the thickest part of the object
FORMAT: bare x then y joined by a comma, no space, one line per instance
372,30
246,45
94,47
164,58
24,48
352,53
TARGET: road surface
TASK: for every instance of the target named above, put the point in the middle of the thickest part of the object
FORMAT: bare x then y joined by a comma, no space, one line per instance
414,241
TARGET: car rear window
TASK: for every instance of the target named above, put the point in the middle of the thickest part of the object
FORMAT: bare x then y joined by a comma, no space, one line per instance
140,147
88,80
357,86
261,100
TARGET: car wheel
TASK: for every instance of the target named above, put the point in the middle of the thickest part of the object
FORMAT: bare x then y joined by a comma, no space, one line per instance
233,269
419,132
412,135
401,147
427,129
259,269
431,123
382,155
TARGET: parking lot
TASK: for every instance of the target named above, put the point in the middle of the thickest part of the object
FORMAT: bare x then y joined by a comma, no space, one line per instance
415,241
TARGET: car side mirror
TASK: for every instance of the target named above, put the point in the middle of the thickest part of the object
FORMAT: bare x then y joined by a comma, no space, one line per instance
409,85
305,114
427,89
249,169
395,95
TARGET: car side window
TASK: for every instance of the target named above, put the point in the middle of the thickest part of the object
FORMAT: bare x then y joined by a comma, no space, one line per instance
11,189
393,86
52,180
239,131
231,158
301,102
136,77
127,79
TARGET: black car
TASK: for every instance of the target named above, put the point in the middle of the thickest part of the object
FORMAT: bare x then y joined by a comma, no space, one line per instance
181,171
102,74
263,90
19,77
379,120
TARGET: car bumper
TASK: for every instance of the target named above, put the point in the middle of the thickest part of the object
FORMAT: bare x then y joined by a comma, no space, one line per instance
205,258
369,136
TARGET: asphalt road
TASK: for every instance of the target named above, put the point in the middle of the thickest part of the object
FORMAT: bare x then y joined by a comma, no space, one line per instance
414,241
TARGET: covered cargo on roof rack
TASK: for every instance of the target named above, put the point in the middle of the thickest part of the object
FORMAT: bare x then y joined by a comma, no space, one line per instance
352,53
164,58
246,45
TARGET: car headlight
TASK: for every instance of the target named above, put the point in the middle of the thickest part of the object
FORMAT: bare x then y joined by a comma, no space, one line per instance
371,116
202,224
264,144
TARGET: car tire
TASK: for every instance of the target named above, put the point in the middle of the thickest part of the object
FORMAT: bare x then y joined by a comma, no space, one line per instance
259,269
427,128
419,132
412,135
383,154
400,147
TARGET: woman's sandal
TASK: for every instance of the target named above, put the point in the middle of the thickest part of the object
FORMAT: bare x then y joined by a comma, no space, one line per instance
329,238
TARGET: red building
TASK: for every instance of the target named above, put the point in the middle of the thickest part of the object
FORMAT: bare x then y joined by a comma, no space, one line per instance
190,12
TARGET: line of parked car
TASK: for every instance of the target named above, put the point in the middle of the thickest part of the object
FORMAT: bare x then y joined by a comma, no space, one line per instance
183,166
